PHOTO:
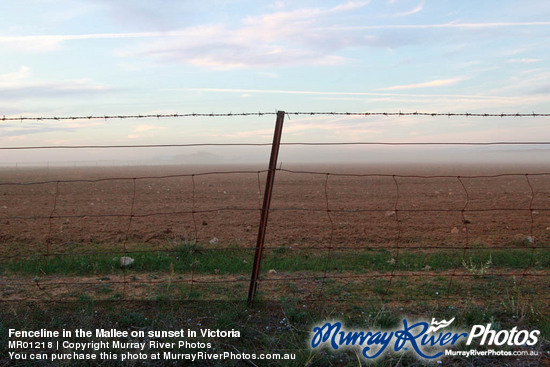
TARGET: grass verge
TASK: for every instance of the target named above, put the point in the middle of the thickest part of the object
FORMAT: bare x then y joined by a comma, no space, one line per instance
186,258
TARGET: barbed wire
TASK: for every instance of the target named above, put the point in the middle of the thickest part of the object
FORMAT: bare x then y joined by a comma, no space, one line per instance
133,116
295,113
432,114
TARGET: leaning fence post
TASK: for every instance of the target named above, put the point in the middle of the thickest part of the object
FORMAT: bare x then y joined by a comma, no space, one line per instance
265,207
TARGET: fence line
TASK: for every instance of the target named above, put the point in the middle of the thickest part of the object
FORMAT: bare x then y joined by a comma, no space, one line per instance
139,116
258,172
323,173
329,247
287,113
397,246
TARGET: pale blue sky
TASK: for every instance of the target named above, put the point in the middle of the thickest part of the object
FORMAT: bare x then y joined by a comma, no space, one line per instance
97,57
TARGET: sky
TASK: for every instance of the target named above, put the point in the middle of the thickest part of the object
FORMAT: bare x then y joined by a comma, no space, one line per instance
114,57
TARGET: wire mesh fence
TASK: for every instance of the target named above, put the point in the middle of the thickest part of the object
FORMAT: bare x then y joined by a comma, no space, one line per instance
414,237
349,233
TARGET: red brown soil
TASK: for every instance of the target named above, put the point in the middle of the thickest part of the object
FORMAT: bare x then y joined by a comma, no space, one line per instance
373,211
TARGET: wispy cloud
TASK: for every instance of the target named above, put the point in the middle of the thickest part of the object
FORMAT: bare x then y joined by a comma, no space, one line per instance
444,25
530,83
14,78
545,89
415,10
512,100
344,126
430,84
19,131
523,61
57,38
277,5
144,127
279,38
271,26
20,84
145,131
272,20
343,94
276,19
52,42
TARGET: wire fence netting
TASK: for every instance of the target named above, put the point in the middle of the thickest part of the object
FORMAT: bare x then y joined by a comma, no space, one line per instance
348,232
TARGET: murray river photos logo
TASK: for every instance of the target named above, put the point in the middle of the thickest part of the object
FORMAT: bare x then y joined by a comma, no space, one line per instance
426,340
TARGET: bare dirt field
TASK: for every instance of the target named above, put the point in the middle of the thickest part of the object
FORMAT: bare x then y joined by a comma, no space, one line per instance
71,209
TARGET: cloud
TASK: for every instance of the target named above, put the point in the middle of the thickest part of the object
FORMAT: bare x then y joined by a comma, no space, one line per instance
350,128
31,44
13,78
430,84
510,101
248,134
145,131
415,10
472,26
18,131
275,25
51,90
20,84
279,38
343,94
523,61
269,40
531,133
276,22
14,131
279,19
57,38
277,5
282,37
145,127
53,42
268,74
531,83
545,89
147,14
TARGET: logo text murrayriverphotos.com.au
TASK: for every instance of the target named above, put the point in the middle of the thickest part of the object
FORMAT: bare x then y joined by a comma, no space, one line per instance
426,340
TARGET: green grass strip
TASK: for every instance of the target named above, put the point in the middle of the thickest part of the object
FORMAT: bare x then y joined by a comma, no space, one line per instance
239,261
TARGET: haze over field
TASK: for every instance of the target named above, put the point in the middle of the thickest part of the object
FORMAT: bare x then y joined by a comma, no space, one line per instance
95,58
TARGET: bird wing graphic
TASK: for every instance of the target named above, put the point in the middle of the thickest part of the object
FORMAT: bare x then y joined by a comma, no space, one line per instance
439,325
